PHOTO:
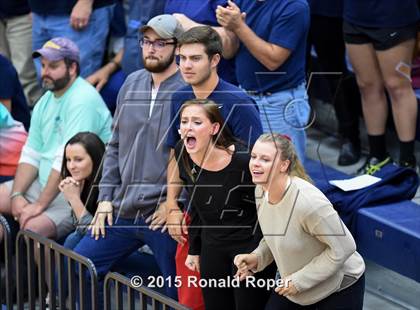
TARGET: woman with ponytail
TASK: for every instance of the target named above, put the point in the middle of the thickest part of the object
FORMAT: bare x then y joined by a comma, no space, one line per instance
313,250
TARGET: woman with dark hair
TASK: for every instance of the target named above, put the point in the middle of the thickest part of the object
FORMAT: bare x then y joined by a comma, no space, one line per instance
214,170
313,250
81,172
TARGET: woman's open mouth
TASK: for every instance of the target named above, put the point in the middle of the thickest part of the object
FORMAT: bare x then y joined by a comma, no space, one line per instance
190,142
257,173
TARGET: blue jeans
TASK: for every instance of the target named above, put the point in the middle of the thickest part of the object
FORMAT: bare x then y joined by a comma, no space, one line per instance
123,238
110,91
73,239
286,112
91,40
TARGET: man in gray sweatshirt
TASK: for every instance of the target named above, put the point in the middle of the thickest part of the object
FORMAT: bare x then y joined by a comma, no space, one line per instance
133,186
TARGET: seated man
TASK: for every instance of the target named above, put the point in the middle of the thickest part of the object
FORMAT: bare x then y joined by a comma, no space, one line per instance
69,106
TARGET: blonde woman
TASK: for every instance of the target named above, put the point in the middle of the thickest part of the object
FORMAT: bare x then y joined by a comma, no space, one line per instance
313,250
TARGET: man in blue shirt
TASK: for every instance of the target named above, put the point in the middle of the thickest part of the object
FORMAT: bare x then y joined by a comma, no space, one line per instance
270,63
193,13
200,51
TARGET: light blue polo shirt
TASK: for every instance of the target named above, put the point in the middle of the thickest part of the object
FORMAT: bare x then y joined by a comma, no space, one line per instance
55,120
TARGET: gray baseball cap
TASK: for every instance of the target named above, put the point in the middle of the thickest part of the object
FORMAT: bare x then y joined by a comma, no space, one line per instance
165,25
57,49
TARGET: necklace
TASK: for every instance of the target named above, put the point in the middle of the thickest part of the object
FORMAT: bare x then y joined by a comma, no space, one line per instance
193,171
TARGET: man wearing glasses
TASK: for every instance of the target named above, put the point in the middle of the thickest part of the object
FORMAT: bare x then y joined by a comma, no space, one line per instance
132,190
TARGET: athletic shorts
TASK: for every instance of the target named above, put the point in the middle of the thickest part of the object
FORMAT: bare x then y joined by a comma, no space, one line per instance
381,38
58,211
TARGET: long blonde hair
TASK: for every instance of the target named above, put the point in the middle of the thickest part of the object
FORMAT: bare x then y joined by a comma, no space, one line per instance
284,145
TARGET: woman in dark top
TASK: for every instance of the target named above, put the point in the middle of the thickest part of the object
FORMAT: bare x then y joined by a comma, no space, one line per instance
214,170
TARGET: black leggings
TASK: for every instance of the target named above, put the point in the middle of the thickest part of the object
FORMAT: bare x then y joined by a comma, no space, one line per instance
326,35
350,298
217,263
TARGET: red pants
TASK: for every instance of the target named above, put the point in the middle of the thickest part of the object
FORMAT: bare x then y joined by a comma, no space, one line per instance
191,297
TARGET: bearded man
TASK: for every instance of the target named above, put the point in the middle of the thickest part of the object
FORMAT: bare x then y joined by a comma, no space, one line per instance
132,191
69,106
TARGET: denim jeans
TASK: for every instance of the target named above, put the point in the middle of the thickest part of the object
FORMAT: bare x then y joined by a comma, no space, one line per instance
73,239
123,238
110,91
91,40
286,112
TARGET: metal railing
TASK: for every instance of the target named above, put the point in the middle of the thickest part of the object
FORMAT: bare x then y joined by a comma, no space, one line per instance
45,268
52,268
7,269
126,296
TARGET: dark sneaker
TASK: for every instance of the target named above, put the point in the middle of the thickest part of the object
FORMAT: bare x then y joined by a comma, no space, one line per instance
410,164
349,154
373,165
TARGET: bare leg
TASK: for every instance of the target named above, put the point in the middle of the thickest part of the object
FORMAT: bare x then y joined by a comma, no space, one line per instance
369,79
42,225
5,205
395,64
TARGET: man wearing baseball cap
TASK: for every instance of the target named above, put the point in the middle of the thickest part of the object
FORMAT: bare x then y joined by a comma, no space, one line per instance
69,106
132,190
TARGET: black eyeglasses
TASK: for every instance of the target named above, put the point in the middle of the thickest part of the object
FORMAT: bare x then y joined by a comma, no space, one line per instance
158,44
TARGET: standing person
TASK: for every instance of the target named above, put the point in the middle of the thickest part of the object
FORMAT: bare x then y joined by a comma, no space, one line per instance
80,173
314,251
86,22
69,106
380,39
132,188
16,44
192,13
200,50
214,170
11,93
110,77
270,63
326,36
